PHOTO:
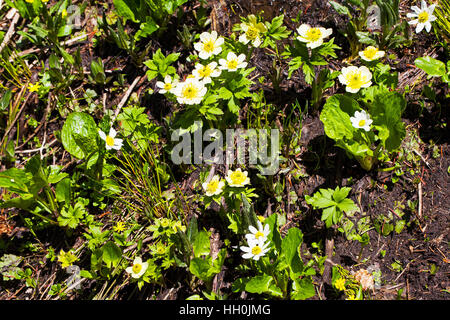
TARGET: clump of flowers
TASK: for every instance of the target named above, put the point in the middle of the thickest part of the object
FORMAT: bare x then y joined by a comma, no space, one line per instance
313,36
422,17
371,53
253,31
355,78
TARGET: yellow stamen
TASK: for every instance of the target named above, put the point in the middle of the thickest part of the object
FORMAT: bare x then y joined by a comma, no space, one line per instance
313,34
423,17
137,268
189,91
109,141
232,64
256,250
361,123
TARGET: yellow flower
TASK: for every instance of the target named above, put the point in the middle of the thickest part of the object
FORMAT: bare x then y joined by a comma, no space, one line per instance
29,1
261,219
213,187
64,13
340,284
34,87
178,226
355,78
119,227
66,258
237,178
252,31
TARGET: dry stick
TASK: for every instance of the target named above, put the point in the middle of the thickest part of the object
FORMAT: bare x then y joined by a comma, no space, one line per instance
125,97
10,32
419,213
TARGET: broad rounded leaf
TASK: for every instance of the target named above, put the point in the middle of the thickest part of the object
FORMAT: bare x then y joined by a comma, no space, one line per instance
79,134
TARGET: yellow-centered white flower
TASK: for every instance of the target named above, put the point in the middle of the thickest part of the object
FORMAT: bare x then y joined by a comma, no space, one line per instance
237,178
233,62
214,186
422,17
205,72
168,85
253,31
361,120
256,234
138,268
111,141
210,44
255,249
191,91
371,53
312,36
355,78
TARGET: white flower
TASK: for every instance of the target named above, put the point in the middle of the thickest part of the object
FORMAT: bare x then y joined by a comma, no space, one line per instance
138,268
213,187
168,85
261,233
252,31
233,62
361,120
371,53
355,78
191,91
422,16
205,73
313,36
255,250
209,45
110,139
237,178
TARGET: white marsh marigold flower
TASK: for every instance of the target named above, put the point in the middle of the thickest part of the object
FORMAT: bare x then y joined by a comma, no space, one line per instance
168,85
361,120
214,186
237,178
110,139
208,45
422,17
371,53
355,78
138,268
255,250
191,91
205,72
312,36
252,31
256,234
233,62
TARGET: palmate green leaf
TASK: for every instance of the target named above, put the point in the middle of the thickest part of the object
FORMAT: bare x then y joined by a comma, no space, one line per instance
340,194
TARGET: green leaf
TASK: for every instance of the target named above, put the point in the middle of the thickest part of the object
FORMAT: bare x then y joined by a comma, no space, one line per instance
336,117
111,254
200,268
201,244
431,66
123,9
79,134
259,284
340,8
302,289
290,246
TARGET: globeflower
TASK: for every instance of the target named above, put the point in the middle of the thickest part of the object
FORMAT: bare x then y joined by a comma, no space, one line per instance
237,178
138,268
208,45
233,62
313,36
361,120
371,53
110,139
355,78
213,187
191,91
422,16
252,31
205,72
168,85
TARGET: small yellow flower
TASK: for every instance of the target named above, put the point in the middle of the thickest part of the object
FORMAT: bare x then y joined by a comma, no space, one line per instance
119,227
340,284
64,13
66,258
261,219
34,87
252,31
29,1
237,178
178,226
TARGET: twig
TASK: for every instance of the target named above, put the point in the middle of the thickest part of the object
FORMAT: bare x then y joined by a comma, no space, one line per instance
125,98
419,211
10,32
38,149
